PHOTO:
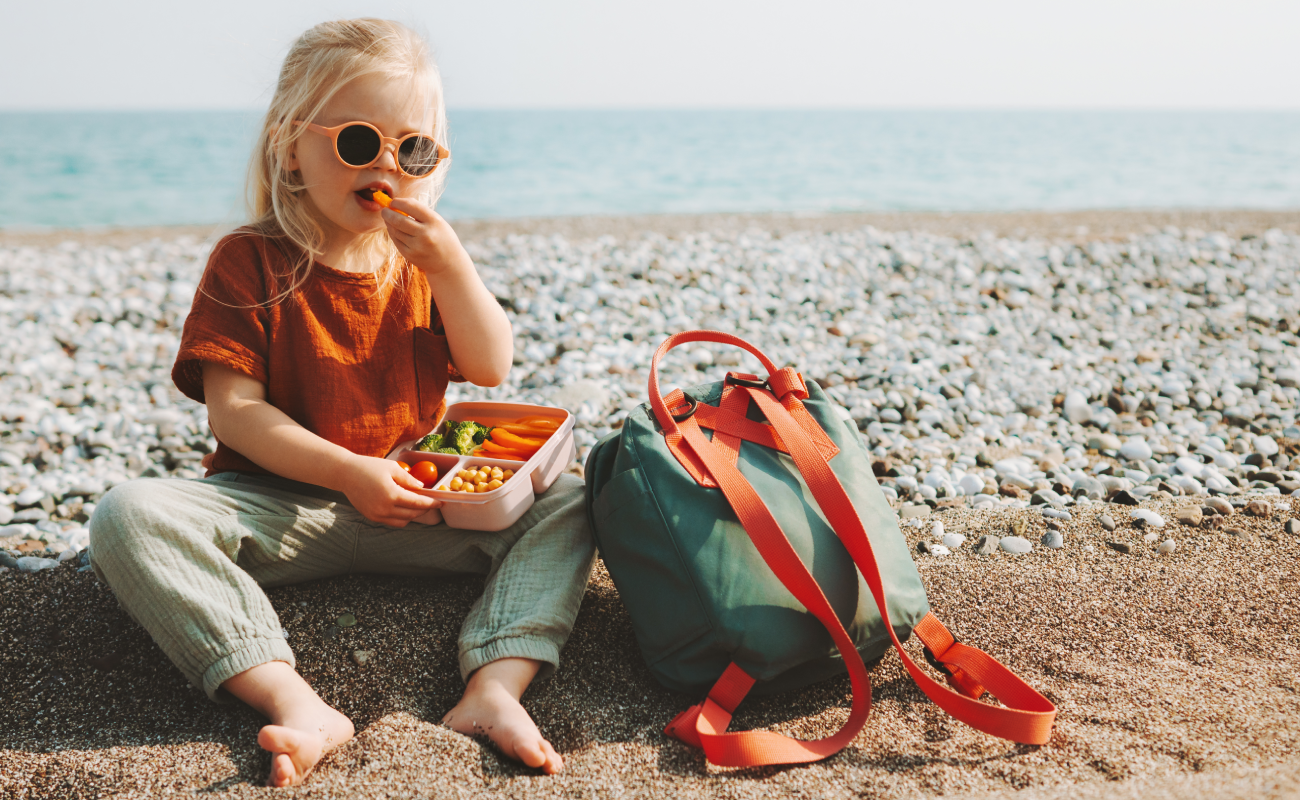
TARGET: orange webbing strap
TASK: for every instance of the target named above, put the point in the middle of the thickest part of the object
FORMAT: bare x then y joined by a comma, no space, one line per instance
753,748
1027,716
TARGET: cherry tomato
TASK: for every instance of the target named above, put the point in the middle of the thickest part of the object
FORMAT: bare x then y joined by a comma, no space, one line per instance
404,465
425,472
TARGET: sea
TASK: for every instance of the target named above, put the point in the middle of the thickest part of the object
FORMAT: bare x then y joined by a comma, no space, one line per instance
144,168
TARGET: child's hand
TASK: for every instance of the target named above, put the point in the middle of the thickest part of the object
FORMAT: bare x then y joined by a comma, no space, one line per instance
423,237
378,488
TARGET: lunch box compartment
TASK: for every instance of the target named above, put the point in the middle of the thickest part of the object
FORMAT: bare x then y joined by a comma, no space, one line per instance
502,507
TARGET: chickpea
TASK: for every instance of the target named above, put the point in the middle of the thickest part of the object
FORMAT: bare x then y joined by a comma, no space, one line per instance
456,483
467,487
493,484
507,474
442,488
496,474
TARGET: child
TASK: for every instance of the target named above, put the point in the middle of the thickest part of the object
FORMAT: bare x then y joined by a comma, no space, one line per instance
316,341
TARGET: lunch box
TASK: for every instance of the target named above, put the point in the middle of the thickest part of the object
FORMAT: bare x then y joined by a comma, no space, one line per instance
501,507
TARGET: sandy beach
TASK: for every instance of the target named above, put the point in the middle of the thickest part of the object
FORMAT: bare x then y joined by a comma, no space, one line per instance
1175,676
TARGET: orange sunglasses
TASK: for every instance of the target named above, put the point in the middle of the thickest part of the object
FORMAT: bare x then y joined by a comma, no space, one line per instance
360,144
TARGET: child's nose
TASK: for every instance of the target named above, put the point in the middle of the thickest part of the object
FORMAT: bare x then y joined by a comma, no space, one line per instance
387,158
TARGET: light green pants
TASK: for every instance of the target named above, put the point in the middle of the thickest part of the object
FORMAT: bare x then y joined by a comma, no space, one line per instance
187,560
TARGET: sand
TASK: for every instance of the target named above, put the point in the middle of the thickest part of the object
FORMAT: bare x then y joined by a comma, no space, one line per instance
1175,676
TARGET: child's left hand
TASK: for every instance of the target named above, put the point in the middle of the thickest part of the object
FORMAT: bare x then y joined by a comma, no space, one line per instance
423,237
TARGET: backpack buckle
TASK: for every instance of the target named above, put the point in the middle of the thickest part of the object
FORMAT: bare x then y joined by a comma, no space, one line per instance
732,379
692,406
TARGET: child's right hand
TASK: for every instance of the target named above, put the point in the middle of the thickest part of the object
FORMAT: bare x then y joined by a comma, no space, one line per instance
378,488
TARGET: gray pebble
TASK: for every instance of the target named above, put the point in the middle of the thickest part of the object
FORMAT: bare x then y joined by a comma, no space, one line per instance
1107,522
347,620
924,548
1053,540
1057,513
1122,547
1220,505
986,545
1015,544
7,560
362,657
1292,526
36,564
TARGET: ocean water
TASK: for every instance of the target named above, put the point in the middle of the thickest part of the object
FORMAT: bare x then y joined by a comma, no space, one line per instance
71,169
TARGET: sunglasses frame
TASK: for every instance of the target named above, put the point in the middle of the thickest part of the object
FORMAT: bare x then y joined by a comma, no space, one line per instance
384,141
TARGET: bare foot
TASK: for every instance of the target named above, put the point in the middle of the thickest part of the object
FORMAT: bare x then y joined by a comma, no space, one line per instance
491,708
303,726
298,744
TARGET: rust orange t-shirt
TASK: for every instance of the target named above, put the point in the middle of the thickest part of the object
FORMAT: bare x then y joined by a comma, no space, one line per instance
361,366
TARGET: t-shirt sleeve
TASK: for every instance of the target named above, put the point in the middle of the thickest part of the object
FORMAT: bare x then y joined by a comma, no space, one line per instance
229,319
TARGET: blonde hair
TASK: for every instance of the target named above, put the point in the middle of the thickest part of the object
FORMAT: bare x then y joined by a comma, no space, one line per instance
320,63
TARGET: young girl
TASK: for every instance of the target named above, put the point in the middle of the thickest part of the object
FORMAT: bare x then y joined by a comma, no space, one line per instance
317,341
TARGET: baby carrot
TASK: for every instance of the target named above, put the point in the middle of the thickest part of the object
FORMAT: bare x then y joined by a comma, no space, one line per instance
495,450
386,201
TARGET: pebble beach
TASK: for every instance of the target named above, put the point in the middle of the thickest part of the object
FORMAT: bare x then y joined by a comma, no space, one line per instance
1087,423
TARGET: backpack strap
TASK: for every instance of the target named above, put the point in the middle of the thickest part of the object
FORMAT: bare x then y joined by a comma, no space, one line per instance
1026,717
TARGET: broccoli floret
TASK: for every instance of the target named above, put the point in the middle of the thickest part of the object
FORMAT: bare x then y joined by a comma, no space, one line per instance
481,435
462,437
451,451
429,443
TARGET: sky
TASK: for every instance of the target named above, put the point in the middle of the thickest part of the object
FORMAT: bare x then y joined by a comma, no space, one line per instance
1133,54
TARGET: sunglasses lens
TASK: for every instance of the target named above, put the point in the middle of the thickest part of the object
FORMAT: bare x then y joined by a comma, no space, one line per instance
358,145
418,155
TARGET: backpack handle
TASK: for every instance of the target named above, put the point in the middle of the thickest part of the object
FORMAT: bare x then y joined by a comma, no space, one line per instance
666,420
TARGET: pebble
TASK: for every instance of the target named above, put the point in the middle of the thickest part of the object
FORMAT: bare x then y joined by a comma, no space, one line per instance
1150,536
953,540
362,657
1053,540
8,561
936,530
1135,449
1265,445
1124,498
1056,513
1220,505
1015,544
346,620
1107,522
985,545
1148,517
908,512
1240,533
1259,508
1166,547
924,548
1121,547
1189,516
35,563
1292,526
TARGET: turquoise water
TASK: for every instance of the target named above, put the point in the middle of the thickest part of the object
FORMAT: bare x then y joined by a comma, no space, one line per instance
74,169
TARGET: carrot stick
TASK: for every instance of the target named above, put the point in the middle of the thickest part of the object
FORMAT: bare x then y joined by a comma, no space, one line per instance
505,438
497,451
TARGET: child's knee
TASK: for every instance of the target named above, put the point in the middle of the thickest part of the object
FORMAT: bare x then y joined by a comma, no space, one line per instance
123,515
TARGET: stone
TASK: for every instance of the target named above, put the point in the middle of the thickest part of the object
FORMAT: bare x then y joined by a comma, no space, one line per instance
1292,526
1046,497
1107,522
1056,513
1147,517
923,547
1076,408
1240,533
936,530
1259,508
1017,527
1016,545
1220,505
986,545
347,619
1167,547
1189,516
1170,489
913,511
953,540
1265,445
1135,449
939,550
1123,498
1090,488
1150,536
8,561
1120,547
1267,475
35,563
971,484
1103,441
362,657
1053,540
29,497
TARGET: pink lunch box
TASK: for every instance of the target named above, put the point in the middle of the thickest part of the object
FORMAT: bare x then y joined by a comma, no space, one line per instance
502,507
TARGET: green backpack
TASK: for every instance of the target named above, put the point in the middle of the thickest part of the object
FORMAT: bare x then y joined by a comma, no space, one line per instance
706,506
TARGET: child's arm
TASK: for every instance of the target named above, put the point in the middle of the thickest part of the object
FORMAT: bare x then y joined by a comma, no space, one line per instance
242,418
478,331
